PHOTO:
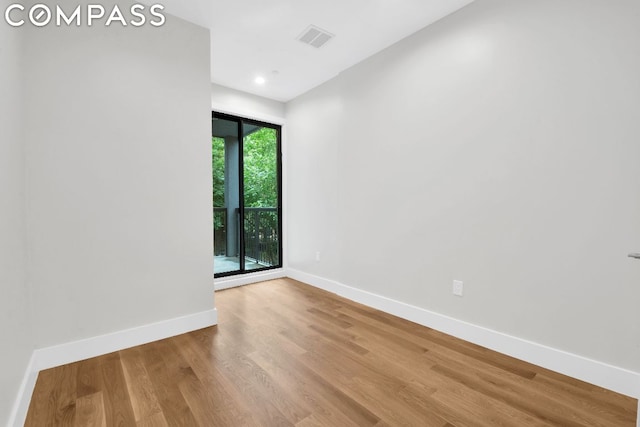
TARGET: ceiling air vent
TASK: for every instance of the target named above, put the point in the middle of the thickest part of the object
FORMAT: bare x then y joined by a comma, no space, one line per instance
315,36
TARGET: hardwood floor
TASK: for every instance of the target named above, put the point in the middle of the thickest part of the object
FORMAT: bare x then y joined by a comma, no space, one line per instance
287,354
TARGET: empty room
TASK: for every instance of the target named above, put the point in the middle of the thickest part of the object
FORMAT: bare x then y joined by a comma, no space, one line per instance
339,213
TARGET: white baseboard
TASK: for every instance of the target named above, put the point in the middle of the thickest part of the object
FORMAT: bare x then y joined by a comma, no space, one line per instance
75,351
247,279
601,374
21,405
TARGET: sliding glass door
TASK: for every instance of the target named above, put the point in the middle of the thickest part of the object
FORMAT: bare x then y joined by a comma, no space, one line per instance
247,202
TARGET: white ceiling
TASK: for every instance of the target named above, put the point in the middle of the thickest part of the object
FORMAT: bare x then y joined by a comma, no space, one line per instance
251,38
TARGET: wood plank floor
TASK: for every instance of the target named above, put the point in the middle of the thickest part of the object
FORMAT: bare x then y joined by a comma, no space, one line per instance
287,354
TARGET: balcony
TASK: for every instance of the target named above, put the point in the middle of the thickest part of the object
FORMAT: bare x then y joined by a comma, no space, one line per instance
260,239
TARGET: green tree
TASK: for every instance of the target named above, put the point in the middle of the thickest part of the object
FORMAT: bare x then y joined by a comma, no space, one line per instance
217,163
261,169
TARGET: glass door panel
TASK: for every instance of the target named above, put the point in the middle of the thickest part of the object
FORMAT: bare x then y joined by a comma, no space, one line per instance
261,197
225,148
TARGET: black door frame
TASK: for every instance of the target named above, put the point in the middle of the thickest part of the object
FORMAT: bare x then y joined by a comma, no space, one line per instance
241,121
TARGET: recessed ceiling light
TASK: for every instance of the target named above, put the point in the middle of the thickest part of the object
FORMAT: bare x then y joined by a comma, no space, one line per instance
260,80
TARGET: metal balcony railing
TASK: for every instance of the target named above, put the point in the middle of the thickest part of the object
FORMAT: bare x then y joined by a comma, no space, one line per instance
260,234
220,231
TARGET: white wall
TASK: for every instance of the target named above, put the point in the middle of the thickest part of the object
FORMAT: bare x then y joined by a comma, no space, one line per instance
227,100
118,177
15,318
500,147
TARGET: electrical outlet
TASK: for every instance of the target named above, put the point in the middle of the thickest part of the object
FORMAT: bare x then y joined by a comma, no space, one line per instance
318,256
458,287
